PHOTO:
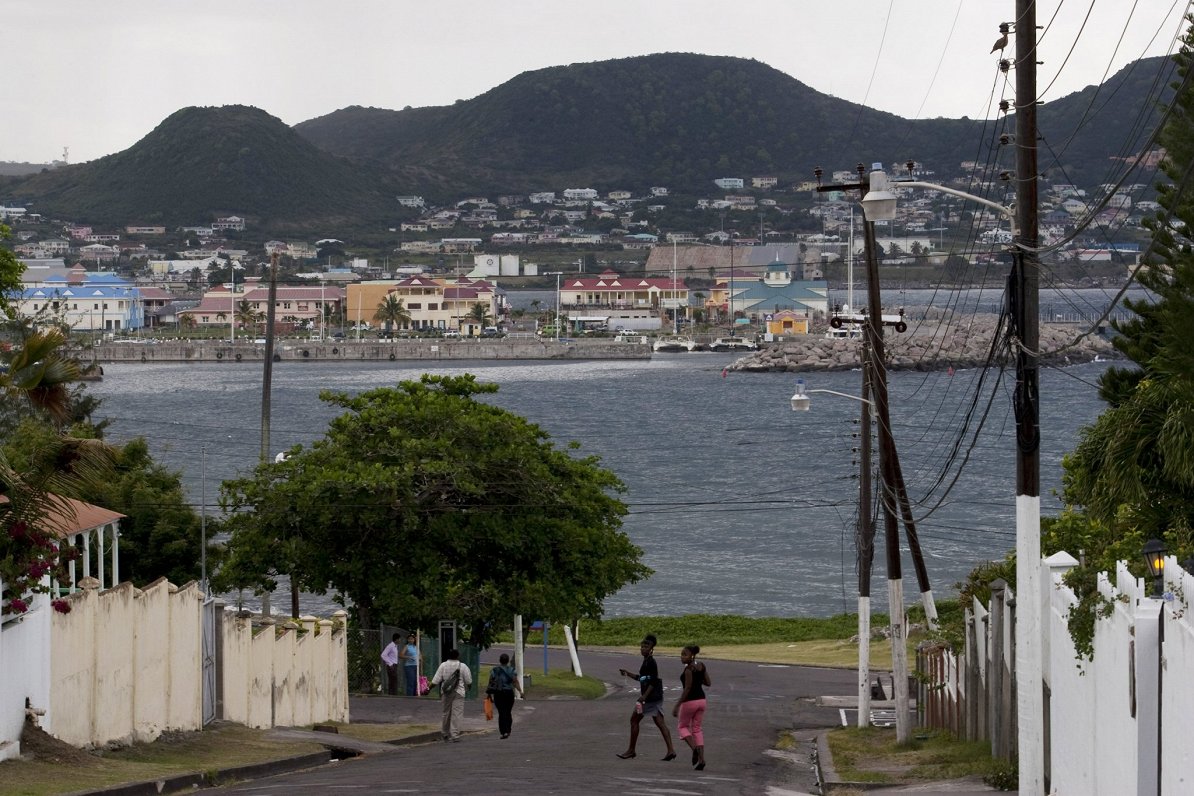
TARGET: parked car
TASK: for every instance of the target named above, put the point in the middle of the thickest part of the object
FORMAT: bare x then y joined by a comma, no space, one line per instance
451,333
491,331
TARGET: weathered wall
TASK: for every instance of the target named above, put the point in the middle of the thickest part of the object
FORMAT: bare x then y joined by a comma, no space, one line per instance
125,665
352,351
24,670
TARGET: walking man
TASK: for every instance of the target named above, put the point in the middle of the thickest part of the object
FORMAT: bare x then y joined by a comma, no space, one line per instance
453,679
650,701
389,657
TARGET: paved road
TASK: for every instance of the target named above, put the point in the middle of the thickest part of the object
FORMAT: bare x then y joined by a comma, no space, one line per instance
569,746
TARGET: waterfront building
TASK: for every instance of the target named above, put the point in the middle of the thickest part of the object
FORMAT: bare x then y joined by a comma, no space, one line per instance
83,300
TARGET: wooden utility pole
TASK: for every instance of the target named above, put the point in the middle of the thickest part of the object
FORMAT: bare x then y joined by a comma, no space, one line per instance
865,544
1024,298
887,452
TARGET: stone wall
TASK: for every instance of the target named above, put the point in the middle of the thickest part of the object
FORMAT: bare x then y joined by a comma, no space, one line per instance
927,345
214,351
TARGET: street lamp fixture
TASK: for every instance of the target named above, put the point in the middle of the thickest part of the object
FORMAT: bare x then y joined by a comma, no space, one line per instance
801,401
1154,557
879,204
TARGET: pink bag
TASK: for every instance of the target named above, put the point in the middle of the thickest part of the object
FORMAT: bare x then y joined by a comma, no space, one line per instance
424,685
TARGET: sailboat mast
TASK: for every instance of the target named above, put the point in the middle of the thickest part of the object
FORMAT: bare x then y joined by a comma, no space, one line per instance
675,296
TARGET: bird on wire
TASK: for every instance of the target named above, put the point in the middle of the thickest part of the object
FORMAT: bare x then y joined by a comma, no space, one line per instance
1001,42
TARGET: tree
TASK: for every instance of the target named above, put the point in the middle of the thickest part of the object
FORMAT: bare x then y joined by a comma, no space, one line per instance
1133,469
479,312
247,316
160,535
422,502
33,376
391,312
10,273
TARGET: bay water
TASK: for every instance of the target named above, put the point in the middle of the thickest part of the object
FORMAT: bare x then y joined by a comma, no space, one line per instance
739,504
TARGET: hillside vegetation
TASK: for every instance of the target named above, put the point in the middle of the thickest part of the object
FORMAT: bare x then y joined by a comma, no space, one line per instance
677,120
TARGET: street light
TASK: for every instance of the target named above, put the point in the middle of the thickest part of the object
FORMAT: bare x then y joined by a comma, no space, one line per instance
557,275
1154,557
865,537
801,401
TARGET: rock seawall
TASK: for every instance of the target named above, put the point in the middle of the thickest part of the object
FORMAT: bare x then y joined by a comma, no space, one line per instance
927,345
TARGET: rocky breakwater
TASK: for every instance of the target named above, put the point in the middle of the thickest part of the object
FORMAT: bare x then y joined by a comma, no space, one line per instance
927,345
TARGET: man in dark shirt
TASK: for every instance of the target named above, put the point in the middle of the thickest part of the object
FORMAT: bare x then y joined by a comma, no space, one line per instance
650,701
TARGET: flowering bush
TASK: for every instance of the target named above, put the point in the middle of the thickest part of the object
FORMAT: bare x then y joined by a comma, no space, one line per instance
27,555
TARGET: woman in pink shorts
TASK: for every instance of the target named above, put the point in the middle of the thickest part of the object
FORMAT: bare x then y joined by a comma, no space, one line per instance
691,707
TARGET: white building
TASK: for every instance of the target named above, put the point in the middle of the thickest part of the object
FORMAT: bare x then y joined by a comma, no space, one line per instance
729,183
580,194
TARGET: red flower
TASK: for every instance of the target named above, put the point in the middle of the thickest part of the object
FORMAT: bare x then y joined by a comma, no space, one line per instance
61,606
17,606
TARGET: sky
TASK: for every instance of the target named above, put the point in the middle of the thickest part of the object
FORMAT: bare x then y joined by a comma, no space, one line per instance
96,77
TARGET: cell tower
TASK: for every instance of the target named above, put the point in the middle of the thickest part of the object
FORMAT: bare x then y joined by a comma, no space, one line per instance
66,154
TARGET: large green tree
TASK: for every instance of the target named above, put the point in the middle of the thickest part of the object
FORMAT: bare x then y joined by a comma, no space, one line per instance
1133,471
422,502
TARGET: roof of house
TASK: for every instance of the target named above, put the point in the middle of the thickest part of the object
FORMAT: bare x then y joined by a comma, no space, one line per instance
67,516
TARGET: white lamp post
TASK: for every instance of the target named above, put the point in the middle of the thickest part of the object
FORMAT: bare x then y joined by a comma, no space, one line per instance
557,275
800,403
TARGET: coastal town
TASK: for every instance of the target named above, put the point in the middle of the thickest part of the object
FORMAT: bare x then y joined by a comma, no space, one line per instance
613,261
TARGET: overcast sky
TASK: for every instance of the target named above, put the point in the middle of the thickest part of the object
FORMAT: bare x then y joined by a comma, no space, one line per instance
98,76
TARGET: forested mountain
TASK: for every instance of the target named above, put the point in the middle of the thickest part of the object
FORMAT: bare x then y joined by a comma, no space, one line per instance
203,162
678,120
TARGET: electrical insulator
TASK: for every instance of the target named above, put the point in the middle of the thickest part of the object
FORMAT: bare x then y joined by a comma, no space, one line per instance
1005,106
1004,65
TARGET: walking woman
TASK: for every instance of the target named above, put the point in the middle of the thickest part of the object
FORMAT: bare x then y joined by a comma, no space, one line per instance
503,682
691,708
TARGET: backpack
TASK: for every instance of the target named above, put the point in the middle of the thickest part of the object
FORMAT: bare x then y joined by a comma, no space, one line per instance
499,680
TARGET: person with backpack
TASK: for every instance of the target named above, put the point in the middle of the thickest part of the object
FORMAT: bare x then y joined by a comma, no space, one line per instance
453,679
503,682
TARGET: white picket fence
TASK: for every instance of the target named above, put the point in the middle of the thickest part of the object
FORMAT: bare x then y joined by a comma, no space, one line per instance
1119,723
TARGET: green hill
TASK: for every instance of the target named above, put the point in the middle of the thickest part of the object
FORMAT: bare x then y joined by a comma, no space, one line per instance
678,120
201,163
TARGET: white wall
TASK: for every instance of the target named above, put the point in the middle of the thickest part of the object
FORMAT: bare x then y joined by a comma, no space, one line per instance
24,670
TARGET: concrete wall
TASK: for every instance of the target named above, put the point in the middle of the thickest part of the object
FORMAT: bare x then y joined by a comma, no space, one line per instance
371,351
286,674
24,670
125,664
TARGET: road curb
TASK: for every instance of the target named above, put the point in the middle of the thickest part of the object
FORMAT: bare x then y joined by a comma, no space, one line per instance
207,779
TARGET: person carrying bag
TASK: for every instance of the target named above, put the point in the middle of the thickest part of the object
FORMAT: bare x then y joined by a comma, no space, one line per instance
503,682
453,679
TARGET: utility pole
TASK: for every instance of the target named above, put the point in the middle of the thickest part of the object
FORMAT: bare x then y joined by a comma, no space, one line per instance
866,547
1024,291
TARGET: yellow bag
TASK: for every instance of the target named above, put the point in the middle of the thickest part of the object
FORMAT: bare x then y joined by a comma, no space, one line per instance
488,708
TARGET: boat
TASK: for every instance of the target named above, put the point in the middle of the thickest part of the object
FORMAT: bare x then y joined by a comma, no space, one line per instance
733,344
673,344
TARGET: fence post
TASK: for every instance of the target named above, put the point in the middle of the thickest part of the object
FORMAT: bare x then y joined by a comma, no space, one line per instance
997,719
1148,695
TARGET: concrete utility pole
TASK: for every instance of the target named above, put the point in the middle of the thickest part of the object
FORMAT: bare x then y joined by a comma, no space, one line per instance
1024,291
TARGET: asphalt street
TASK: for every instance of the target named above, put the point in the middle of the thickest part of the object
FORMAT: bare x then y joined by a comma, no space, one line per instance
570,746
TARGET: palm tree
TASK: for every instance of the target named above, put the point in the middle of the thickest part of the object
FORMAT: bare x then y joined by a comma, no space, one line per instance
246,315
391,311
479,312
35,372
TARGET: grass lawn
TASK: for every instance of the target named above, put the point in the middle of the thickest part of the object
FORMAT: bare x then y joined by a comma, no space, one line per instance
63,769
871,755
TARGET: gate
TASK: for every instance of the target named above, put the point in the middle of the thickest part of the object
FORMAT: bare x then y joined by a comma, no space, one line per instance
208,653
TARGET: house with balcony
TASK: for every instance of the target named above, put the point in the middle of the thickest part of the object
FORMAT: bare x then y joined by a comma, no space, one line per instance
631,302
433,303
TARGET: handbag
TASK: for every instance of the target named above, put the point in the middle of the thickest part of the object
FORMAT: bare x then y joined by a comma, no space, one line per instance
488,708
424,685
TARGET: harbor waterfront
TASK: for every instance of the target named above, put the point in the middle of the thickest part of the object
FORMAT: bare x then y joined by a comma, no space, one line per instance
740,505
